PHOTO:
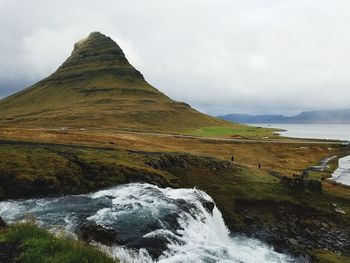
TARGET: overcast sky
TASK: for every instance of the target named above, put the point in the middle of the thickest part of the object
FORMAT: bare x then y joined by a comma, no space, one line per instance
221,56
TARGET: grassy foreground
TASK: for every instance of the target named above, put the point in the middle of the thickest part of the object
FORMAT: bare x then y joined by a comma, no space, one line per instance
27,243
30,170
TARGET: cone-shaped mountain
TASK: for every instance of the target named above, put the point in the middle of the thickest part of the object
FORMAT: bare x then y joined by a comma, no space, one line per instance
97,87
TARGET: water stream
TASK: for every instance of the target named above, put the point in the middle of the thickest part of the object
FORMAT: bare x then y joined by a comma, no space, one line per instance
342,174
174,222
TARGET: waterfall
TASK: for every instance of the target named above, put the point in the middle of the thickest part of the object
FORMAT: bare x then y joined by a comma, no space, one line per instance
153,224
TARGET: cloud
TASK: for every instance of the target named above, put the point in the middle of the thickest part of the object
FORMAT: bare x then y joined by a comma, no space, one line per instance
221,56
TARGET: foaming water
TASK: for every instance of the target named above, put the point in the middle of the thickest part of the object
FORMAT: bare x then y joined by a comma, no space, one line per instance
342,174
153,224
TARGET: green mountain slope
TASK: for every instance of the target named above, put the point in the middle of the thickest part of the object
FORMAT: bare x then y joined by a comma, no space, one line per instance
97,87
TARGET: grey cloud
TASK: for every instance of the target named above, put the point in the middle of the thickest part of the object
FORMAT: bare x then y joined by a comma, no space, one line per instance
221,56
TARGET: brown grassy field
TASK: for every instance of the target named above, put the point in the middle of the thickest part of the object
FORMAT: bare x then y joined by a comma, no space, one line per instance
115,157
284,157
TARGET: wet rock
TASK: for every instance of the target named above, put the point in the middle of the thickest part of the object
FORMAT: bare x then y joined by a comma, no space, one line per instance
89,231
155,246
171,221
208,205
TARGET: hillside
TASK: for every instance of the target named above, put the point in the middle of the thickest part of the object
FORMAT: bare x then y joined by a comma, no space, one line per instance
97,87
331,117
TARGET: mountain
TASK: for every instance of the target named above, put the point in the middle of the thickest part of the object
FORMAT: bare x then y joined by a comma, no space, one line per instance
97,87
246,118
331,117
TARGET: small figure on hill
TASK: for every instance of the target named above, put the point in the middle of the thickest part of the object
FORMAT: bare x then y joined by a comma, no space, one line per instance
259,166
232,158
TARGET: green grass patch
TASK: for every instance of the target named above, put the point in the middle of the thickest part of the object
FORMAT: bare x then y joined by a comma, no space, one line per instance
29,170
36,245
329,257
239,131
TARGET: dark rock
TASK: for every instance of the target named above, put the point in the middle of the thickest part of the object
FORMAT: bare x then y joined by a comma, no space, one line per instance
298,183
167,162
89,231
171,221
9,252
248,220
2,223
285,180
155,246
314,185
208,205
295,229
293,241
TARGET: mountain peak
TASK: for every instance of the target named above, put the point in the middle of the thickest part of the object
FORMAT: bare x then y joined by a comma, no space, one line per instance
95,54
94,41
98,87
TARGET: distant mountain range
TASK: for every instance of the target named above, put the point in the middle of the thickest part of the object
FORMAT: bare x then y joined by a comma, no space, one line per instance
331,117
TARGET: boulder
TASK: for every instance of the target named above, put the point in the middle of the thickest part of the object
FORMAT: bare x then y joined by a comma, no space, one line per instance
155,246
208,205
88,231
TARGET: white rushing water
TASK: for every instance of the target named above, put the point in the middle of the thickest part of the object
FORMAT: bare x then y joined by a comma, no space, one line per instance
145,216
342,174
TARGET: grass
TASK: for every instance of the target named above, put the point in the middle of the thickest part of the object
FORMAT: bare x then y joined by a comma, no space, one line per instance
329,257
241,131
42,169
78,169
45,169
35,245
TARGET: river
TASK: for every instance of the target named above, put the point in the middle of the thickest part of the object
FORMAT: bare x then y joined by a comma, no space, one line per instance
320,131
145,216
